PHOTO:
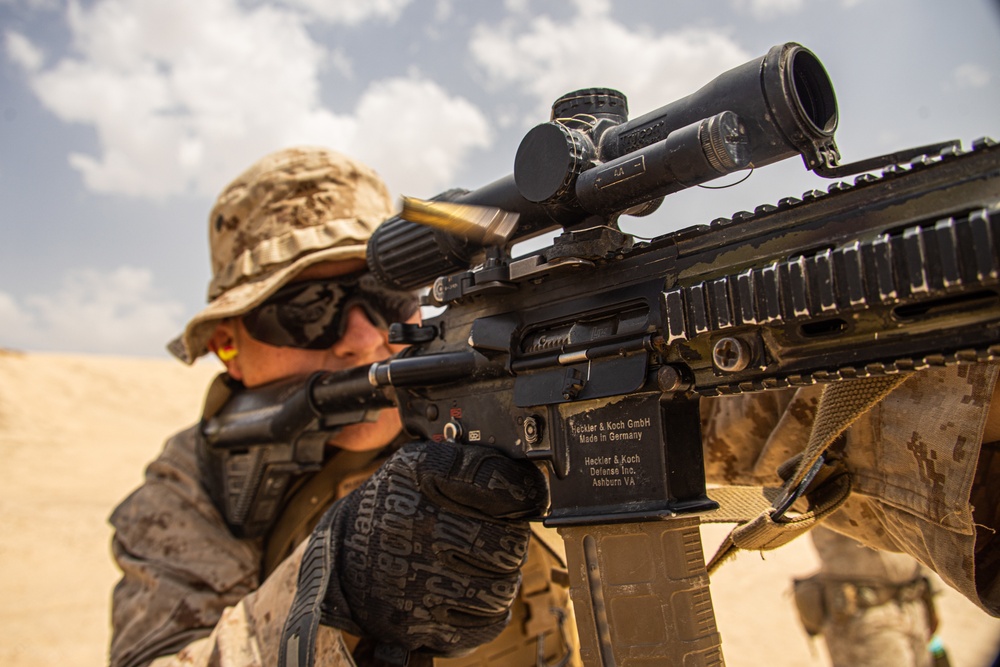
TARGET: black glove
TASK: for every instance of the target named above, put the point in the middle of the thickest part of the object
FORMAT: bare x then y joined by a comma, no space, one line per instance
426,554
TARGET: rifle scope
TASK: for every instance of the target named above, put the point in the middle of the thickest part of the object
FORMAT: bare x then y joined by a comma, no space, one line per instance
589,163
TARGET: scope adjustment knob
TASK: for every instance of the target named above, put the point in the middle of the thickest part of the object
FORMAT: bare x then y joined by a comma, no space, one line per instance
548,161
598,102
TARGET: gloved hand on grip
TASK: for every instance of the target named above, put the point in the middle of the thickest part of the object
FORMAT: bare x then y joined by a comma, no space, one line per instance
426,554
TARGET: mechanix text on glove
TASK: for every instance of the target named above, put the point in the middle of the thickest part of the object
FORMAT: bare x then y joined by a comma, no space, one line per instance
426,554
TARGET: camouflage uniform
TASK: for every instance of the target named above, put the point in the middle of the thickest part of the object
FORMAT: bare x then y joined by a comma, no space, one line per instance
190,587
919,481
192,593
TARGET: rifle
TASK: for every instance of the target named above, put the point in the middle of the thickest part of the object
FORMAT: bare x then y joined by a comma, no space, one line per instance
589,356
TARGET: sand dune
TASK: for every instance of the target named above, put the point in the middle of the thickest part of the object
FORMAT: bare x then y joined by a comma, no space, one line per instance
76,432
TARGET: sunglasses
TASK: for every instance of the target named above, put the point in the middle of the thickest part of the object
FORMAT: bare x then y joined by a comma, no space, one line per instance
312,314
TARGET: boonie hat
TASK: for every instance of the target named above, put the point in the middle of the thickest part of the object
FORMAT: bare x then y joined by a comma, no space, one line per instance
290,210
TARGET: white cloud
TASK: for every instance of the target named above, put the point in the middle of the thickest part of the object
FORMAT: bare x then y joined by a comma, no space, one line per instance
23,52
422,129
516,6
443,10
548,58
592,8
114,312
341,63
184,94
766,9
971,75
352,12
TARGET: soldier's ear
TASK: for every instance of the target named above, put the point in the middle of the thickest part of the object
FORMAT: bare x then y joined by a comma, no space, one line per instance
223,344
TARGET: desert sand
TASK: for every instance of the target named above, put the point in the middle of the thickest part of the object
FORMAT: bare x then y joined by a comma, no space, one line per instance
77,431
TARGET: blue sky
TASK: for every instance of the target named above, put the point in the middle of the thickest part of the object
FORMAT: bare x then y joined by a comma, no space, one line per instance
121,119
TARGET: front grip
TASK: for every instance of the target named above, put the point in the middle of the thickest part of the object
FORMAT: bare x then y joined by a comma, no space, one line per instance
641,594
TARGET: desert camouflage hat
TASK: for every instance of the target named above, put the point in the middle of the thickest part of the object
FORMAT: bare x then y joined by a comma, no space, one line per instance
290,210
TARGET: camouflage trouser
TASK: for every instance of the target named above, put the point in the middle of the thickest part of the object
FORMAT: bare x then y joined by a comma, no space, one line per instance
872,608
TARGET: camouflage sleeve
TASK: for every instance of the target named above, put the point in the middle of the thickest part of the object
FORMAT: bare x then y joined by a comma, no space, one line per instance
747,436
190,592
248,633
918,466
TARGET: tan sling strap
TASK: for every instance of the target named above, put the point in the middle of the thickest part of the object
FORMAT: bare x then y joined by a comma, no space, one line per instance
760,512
343,472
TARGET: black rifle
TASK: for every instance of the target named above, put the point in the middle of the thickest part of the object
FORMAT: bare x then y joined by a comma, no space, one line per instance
588,356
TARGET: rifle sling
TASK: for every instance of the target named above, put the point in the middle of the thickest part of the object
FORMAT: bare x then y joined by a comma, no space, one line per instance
759,511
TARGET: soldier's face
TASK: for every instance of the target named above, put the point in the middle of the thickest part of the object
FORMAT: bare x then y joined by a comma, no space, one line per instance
362,344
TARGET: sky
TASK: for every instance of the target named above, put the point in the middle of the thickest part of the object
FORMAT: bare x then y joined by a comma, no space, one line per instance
120,120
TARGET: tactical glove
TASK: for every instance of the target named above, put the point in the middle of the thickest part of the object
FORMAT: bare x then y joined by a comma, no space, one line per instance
425,555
